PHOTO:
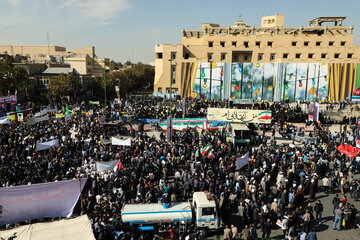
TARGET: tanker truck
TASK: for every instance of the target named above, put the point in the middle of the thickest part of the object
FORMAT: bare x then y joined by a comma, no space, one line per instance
201,215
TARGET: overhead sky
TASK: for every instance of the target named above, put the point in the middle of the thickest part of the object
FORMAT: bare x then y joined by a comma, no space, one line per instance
129,29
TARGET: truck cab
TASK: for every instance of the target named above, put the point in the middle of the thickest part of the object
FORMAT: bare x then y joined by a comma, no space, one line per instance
206,212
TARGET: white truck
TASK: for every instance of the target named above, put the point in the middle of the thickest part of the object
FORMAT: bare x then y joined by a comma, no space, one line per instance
201,215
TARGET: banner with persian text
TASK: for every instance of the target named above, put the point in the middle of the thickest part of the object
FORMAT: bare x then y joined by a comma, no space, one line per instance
239,115
44,200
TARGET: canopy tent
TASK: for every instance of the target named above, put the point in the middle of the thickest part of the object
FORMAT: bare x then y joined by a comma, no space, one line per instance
239,126
70,229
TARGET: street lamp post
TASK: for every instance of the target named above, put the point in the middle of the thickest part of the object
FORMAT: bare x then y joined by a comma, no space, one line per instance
170,106
105,85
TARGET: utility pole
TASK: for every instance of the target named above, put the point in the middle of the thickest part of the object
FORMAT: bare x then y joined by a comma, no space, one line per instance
210,78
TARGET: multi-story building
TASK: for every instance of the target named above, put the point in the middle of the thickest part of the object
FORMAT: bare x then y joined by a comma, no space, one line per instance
271,43
83,60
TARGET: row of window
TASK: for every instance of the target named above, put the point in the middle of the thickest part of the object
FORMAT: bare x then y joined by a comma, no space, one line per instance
223,56
299,55
160,55
174,90
270,43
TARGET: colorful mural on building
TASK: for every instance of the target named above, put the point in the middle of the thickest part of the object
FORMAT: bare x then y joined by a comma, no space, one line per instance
271,81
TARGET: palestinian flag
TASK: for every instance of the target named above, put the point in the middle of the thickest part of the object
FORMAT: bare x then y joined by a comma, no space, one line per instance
211,154
205,149
118,166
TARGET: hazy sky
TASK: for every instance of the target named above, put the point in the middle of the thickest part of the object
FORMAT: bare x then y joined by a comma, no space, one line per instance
129,29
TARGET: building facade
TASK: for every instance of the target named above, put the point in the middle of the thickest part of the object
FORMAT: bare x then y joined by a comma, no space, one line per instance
204,62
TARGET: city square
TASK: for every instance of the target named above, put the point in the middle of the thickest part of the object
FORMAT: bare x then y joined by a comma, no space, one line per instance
118,122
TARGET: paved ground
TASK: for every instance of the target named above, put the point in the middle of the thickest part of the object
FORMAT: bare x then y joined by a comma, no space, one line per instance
324,230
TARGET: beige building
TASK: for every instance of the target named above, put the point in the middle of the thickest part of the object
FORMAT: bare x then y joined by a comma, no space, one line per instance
271,42
83,60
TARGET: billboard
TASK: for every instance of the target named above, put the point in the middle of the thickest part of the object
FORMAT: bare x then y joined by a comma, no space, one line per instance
271,81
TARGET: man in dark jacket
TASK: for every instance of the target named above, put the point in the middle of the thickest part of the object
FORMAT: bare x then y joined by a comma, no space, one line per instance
336,201
267,229
318,210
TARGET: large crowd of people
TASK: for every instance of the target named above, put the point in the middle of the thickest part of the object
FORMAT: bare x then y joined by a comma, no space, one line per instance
278,183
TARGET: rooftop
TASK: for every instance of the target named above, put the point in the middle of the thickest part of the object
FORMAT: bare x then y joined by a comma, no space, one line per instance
59,70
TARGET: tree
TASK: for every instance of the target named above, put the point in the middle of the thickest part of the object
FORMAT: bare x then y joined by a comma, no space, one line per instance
64,85
138,79
12,78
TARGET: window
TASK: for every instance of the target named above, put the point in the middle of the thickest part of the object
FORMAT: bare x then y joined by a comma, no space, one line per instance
285,55
350,55
159,55
233,44
343,43
272,56
331,43
257,44
173,55
270,44
159,89
211,44
298,55
223,56
174,81
260,56
246,57
336,55
310,55
210,56
173,68
318,43
187,55
246,44
306,44
323,55
88,63
235,57
222,44
293,44
207,211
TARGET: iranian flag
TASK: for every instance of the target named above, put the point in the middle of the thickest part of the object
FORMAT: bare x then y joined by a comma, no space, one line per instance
26,137
205,149
211,154
197,154
118,166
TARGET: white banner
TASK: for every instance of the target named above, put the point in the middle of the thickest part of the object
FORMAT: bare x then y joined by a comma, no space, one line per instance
4,120
43,118
47,145
44,200
239,115
32,121
105,166
122,142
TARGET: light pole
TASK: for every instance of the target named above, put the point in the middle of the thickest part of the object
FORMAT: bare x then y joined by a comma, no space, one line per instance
169,129
105,84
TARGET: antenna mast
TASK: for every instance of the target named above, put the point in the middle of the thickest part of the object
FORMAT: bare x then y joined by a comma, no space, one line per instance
48,43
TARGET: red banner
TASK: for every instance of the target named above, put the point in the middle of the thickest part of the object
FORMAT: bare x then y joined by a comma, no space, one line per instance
348,150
